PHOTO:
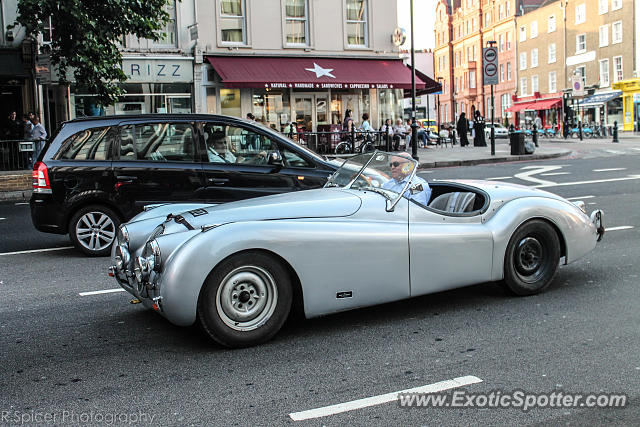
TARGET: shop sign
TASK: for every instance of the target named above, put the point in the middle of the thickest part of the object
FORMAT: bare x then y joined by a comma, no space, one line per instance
328,86
140,70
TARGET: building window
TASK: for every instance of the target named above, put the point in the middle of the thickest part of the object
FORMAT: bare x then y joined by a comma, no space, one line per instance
581,43
616,32
169,31
616,4
472,79
508,71
552,53
505,102
232,22
551,24
501,11
582,72
604,73
581,13
501,42
552,82
604,36
501,73
507,8
357,23
508,39
474,52
534,58
523,33
523,86
534,29
47,30
487,21
523,60
474,24
617,68
534,84
296,20
603,6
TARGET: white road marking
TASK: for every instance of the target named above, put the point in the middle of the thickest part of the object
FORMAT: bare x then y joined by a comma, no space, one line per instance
36,250
580,198
21,203
2,219
609,170
534,170
637,149
595,181
498,178
104,291
622,227
383,398
555,173
614,151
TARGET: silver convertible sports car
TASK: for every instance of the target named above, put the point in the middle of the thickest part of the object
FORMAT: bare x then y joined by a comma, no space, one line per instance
375,233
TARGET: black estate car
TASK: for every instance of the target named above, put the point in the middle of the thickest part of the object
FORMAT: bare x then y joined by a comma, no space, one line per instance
98,172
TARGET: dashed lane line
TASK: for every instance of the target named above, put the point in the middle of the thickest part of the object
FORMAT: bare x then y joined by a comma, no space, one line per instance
609,170
580,198
383,398
621,227
35,251
104,291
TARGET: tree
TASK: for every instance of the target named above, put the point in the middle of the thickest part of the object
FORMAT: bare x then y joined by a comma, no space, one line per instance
86,36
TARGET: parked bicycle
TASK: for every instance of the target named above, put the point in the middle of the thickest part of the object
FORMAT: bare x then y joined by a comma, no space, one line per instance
363,144
587,132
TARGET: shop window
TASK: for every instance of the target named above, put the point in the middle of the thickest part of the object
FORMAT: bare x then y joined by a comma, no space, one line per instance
160,142
230,102
233,22
168,32
357,23
297,22
90,144
271,108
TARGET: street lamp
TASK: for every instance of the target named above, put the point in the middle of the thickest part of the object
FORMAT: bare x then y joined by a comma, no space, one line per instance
414,125
439,79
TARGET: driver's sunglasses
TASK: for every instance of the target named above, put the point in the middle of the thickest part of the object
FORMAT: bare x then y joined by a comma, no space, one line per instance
396,164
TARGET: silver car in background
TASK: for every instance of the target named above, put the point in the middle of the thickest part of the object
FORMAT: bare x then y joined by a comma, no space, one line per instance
237,268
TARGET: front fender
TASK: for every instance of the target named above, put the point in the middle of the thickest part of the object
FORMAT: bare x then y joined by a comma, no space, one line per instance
575,228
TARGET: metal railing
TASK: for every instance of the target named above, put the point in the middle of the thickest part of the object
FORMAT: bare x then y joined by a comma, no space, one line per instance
16,154
327,142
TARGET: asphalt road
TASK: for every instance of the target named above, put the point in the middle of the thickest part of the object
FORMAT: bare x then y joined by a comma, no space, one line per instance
84,359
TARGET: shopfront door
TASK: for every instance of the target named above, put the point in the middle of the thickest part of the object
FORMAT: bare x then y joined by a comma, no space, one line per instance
311,110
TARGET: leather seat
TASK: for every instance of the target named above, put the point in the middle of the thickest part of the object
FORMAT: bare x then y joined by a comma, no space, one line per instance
455,202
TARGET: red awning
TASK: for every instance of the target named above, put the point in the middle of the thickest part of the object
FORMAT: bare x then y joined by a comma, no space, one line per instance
540,104
313,73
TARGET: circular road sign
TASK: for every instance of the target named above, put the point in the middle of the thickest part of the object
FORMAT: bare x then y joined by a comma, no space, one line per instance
490,54
490,69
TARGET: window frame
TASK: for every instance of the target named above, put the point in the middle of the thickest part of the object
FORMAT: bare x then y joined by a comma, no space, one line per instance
245,25
550,19
617,78
523,86
162,43
307,26
551,59
578,49
615,40
533,34
607,73
553,88
367,27
522,34
616,4
581,14
603,7
523,61
603,41
534,64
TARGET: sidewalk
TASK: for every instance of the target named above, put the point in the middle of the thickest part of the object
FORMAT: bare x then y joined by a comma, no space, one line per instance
16,185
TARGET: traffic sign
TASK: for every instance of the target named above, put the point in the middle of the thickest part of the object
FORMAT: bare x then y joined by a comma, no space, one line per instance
489,66
577,85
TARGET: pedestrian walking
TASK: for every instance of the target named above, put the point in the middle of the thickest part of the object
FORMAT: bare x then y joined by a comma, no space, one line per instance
463,129
38,135
478,130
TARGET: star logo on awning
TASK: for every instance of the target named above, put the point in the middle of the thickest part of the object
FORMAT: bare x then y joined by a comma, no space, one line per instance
321,71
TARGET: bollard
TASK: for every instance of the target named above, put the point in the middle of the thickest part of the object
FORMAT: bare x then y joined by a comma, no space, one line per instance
615,132
535,135
386,138
453,137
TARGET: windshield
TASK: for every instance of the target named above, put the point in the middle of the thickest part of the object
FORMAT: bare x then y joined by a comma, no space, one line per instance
388,173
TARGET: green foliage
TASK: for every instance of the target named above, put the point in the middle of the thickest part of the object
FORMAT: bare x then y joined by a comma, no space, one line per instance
86,36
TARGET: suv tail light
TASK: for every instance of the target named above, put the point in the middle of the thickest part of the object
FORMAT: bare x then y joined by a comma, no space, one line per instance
40,177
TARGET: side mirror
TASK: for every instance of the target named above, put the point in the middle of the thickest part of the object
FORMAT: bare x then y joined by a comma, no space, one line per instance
275,158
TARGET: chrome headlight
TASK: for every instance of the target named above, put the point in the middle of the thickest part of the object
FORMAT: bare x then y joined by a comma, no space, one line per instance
123,234
150,260
122,257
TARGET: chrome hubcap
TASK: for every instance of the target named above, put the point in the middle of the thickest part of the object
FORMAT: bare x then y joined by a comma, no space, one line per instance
95,231
528,256
246,298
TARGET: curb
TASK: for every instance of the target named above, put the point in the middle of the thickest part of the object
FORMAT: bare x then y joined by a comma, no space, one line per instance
486,160
15,196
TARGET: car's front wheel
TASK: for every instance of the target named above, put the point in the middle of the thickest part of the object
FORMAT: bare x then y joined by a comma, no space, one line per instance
245,300
532,258
92,230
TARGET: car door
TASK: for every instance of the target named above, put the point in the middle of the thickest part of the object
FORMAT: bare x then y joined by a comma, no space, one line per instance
157,162
236,164
447,250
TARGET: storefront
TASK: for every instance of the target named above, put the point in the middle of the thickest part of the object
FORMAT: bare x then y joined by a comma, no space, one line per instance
602,108
630,102
549,110
309,91
154,85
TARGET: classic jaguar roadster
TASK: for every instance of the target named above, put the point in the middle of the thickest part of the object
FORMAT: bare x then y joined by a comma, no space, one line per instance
375,233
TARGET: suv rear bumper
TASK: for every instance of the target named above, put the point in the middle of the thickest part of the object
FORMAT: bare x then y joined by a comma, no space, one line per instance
47,215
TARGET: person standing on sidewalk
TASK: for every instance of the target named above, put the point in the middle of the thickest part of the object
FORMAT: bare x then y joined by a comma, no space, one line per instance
463,129
478,131
39,135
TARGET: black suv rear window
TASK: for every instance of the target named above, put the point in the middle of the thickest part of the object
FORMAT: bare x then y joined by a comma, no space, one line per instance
161,142
89,144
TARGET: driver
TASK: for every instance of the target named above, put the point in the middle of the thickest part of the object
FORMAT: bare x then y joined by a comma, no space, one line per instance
219,153
401,168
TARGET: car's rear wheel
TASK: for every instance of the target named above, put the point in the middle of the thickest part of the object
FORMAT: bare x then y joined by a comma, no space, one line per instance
532,258
92,230
245,300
